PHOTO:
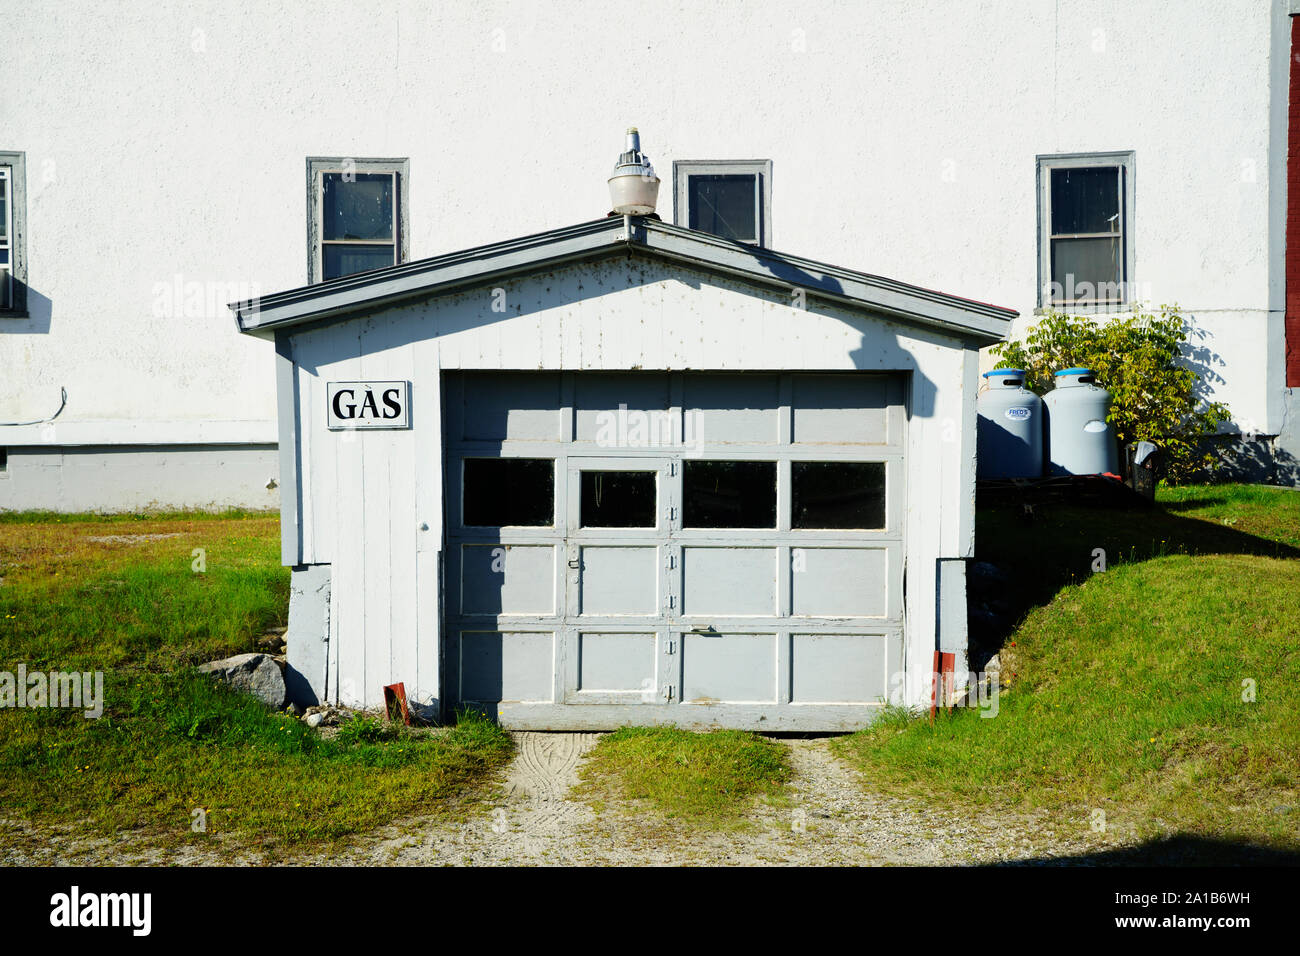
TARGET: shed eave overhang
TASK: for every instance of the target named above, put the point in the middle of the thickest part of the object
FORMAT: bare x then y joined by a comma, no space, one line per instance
976,322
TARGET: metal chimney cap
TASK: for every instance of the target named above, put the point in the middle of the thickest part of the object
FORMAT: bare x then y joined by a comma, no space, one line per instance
633,186
633,162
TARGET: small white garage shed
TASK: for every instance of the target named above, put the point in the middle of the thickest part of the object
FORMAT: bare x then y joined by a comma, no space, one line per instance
626,472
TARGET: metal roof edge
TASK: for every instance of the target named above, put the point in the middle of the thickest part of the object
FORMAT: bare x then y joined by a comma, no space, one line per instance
425,276
859,289
439,274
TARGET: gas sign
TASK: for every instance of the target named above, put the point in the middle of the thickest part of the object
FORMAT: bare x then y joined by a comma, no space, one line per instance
367,405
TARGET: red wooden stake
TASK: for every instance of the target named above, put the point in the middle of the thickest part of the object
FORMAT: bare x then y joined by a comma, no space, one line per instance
942,678
396,694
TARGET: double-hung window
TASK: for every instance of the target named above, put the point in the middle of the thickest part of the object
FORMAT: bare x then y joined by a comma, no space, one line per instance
356,215
13,212
1085,216
729,198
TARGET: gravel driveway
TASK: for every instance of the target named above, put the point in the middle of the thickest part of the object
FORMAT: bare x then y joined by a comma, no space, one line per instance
531,819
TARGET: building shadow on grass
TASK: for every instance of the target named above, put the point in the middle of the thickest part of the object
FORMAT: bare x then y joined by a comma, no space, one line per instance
1173,851
1027,550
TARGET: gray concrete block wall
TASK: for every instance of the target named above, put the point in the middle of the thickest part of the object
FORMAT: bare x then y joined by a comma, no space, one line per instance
1286,447
110,478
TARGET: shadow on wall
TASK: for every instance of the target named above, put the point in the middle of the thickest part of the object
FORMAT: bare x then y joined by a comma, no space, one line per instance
1253,460
1203,360
919,399
40,310
921,402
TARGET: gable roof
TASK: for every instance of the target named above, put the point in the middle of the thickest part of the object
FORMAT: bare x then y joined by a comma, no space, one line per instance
368,291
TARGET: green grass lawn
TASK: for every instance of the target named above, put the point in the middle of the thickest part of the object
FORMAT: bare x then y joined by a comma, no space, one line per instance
170,741
709,779
1128,694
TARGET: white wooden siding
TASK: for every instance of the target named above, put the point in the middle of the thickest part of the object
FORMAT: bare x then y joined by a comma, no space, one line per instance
365,496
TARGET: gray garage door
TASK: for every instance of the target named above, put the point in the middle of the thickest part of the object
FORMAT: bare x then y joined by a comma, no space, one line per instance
697,549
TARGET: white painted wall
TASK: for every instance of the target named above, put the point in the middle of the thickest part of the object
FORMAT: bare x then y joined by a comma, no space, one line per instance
166,148
367,496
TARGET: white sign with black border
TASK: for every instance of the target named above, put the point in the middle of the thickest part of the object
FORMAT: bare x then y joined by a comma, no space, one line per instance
353,405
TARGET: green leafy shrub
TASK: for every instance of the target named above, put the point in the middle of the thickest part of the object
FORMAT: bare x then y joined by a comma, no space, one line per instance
1137,359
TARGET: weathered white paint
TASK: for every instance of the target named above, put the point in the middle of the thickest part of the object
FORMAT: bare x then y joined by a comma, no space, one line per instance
902,137
367,497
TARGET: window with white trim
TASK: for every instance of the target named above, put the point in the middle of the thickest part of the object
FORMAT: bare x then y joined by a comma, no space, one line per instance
13,211
1085,217
6,231
728,198
356,216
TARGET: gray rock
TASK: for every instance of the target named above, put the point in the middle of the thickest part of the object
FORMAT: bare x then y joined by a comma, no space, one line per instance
316,719
255,674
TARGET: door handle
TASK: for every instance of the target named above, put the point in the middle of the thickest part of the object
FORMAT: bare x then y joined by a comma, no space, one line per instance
707,629
575,563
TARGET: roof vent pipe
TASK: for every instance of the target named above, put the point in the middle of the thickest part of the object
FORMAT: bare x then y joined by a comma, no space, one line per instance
633,187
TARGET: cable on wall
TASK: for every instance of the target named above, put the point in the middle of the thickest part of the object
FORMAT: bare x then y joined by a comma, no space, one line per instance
41,421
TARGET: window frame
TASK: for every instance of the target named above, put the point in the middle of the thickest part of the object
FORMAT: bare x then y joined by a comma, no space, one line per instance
650,467
1125,160
465,484
760,169
721,459
317,167
796,466
14,167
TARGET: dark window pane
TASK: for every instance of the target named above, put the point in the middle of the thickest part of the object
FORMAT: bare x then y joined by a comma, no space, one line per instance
347,260
509,491
618,499
729,494
1085,200
360,209
838,494
1087,270
724,206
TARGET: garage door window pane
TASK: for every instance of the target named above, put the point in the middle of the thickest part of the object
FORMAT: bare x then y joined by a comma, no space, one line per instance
513,492
618,499
838,494
729,494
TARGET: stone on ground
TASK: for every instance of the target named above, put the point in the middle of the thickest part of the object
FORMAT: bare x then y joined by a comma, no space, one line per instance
256,674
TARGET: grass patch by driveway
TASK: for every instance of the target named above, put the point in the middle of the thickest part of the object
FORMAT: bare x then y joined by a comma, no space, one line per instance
120,595
704,778
1128,694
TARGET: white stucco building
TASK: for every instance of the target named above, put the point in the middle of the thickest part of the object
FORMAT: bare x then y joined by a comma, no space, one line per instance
160,161
155,161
